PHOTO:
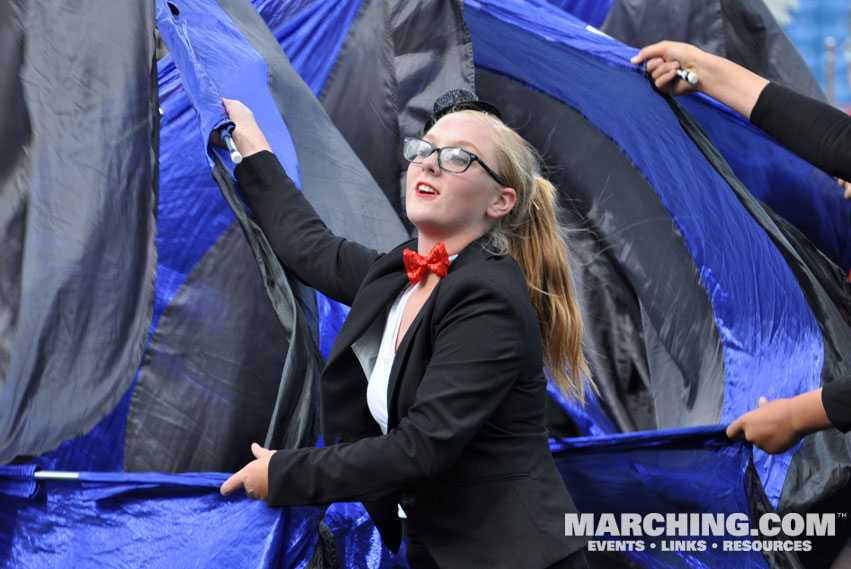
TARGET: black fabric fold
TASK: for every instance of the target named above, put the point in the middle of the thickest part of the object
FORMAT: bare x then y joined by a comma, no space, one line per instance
77,214
624,243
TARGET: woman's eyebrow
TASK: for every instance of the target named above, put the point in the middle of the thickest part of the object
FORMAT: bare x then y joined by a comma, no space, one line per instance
460,143
466,144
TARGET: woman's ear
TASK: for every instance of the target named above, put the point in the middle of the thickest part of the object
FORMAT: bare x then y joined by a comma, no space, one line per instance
502,203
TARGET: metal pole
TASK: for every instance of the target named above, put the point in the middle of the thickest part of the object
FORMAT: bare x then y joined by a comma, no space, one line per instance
56,475
829,61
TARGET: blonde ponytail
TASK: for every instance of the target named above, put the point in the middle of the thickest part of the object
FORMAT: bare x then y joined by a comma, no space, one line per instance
532,235
538,246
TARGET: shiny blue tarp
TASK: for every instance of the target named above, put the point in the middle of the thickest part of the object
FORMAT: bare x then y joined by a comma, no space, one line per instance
159,520
678,471
147,520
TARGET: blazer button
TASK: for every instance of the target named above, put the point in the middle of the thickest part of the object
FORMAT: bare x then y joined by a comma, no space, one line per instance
407,500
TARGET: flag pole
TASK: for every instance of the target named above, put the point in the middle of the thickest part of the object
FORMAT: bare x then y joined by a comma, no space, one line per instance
55,475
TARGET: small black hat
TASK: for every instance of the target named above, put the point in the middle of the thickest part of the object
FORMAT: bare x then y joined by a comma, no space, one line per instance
458,100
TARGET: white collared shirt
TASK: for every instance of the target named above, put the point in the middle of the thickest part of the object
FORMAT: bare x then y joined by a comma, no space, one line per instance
376,391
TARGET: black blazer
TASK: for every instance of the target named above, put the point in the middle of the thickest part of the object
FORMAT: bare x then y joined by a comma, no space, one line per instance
466,453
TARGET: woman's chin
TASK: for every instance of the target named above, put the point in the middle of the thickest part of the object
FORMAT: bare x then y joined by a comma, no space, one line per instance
419,218
427,227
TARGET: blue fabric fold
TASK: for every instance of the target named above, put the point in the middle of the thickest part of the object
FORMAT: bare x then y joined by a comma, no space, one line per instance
216,60
186,45
307,29
589,417
150,520
677,471
592,11
18,480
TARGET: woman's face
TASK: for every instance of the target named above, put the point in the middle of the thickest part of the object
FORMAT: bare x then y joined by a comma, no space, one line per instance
444,204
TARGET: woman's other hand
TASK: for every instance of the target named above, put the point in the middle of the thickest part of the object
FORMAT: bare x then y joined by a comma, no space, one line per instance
717,77
254,476
776,426
663,59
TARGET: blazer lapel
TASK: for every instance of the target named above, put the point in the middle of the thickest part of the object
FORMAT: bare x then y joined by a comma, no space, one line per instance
401,358
383,283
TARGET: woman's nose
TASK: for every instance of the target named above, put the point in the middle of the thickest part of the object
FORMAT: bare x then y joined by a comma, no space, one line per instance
431,164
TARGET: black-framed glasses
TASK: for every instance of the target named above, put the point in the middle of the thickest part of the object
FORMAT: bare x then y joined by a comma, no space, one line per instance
450,158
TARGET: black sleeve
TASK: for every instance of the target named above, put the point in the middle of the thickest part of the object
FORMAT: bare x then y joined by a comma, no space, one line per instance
836,398
815,131
332,265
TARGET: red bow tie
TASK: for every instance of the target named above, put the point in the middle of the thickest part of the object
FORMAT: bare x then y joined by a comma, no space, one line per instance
416,265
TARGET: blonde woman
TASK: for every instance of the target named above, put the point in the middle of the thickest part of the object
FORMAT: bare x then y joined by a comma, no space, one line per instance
433,394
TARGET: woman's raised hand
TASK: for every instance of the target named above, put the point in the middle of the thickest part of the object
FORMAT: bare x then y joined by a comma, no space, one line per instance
247,136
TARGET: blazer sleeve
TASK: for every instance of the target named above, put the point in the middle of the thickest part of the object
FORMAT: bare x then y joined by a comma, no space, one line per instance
479,353
815,131
836,398
331,264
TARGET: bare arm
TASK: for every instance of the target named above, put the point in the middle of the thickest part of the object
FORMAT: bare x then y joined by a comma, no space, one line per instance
814,131
778,425
718,78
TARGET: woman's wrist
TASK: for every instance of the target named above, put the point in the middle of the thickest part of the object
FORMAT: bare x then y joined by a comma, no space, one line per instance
730,83
249,142
808,415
